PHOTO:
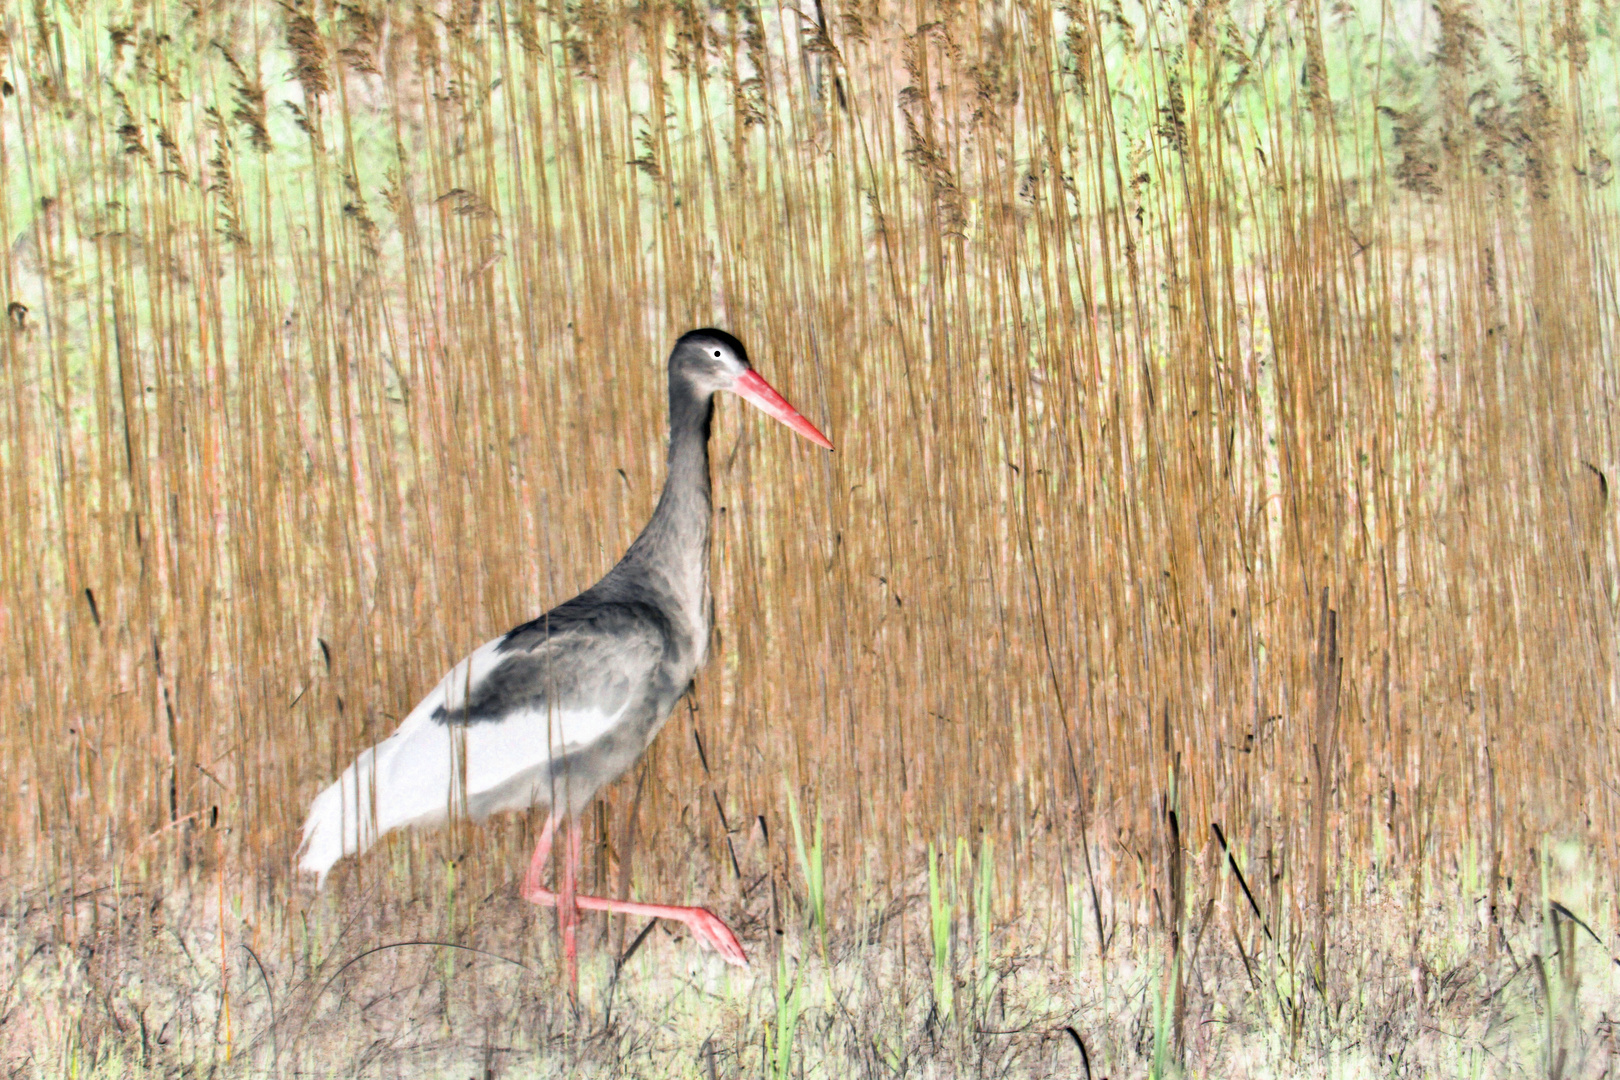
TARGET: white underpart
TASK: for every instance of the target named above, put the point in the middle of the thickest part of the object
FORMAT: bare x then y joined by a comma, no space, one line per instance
411,777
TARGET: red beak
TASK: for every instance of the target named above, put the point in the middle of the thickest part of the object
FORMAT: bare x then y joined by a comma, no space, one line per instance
750,387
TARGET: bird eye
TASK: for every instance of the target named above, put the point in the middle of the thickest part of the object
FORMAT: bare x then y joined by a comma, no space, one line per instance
717,352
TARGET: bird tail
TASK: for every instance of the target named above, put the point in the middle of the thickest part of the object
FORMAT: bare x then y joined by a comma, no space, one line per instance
341,820
404,780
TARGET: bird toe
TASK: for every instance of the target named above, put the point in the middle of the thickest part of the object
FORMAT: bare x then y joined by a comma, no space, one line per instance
709,929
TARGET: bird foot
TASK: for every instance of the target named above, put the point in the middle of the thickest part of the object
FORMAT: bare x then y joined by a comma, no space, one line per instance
714,934
706,926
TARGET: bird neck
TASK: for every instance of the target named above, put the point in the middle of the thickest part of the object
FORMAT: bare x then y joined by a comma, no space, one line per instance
672,552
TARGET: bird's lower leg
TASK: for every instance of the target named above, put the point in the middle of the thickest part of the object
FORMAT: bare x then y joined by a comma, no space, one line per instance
542,852
704,924
568,907
567,911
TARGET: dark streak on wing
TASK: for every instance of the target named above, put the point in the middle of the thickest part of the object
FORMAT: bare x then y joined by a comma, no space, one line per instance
592,652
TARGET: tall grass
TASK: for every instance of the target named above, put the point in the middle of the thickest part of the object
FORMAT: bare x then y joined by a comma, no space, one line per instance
335,348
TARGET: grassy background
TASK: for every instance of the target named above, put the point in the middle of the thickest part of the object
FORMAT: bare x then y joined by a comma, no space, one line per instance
335,348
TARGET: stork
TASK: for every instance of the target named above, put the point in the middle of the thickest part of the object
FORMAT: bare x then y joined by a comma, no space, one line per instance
552,710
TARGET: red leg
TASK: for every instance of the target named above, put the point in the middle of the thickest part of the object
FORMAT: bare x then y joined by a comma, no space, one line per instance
567,911
542,852
704,924
568,907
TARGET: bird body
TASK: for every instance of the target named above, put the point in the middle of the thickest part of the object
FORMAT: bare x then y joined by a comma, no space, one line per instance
553,710
531,728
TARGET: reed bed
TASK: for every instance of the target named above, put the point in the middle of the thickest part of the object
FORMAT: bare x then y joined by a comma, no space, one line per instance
1219,537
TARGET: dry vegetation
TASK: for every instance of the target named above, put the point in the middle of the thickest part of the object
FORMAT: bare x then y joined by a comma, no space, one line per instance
1224,400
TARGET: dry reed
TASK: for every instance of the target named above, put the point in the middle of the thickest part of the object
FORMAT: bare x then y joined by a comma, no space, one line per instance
335,347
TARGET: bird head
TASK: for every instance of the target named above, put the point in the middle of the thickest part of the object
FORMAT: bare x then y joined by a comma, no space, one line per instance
712,360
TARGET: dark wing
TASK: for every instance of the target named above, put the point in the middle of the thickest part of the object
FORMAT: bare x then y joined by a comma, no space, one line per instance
578,665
